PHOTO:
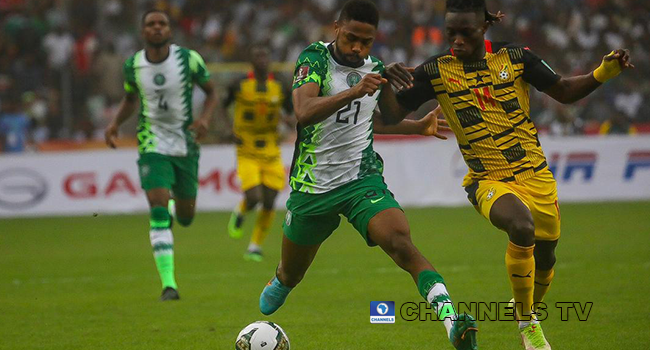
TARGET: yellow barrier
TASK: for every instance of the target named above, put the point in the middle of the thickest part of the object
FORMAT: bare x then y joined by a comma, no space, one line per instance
234,67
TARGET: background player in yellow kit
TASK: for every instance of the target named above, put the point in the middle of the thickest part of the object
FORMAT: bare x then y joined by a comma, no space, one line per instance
259,101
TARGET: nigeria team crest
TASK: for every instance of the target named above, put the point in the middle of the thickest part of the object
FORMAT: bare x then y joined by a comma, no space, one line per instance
159,79
353,79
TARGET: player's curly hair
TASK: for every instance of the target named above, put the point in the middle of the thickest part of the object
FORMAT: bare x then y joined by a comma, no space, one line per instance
471,6
360,10
153,10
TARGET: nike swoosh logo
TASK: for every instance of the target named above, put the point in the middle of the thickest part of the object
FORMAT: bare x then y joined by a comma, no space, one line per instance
520,276
373,201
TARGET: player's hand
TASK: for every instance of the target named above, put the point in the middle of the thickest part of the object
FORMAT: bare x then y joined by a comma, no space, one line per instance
400,75
368,85
612,65
622,56
200,128
110,135
433,123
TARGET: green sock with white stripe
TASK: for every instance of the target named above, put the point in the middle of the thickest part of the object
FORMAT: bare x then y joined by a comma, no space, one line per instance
162,242
432,288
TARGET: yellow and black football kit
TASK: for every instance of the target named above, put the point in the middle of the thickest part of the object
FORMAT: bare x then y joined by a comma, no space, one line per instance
257,112
486,104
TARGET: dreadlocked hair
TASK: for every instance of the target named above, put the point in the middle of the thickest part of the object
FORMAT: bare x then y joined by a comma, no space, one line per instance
477,6
491,18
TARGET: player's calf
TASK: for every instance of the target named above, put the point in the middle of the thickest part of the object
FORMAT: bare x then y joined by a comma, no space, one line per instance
290,278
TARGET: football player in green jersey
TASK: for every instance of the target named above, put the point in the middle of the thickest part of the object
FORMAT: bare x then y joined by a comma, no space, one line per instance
161,77
337,87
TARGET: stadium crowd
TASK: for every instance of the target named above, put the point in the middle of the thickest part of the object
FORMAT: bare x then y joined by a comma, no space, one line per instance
61,60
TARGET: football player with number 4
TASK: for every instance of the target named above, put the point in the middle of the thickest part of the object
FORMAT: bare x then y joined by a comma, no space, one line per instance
162,77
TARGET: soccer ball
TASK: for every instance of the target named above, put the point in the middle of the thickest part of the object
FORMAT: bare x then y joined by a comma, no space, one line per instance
262,335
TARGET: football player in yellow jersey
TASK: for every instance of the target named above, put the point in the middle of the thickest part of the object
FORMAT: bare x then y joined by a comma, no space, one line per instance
483,89
259,101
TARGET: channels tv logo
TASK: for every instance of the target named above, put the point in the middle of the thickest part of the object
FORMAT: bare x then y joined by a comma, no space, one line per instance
382,312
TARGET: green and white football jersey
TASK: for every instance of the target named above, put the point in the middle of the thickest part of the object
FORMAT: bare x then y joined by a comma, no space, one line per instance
339,149
165,91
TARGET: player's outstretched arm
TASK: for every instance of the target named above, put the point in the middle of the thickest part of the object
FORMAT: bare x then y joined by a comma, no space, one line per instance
431,125
569,90
124,112
310,108
201,125
401,78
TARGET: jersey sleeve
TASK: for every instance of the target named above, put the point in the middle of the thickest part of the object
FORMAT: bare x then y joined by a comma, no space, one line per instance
537,72
199,71
421,92
311,66
130,85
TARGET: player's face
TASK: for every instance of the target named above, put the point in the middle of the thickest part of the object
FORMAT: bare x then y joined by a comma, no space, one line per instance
260,59
354,40
155,30
466,33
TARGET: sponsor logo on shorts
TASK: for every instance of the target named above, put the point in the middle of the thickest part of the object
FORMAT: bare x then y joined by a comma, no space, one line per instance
144,170
287,219
373,201
490,193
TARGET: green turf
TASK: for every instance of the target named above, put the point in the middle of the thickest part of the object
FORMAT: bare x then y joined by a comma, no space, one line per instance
90,283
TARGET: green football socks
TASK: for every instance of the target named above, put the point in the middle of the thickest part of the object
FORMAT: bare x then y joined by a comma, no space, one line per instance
162,242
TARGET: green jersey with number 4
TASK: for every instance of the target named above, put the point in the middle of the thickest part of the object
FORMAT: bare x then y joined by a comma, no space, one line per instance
339,149
165,92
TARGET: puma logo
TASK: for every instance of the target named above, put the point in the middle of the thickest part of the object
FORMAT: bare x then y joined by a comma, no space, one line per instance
520,276
452,80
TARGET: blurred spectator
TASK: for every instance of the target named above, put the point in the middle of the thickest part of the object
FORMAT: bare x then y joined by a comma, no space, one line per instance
58,45
629,100
618,124
69,53
14,125
107,73
564,121
36,109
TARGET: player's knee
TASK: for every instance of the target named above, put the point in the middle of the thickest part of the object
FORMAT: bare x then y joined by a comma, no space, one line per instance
544,259
545,264
252,199
267,205
185,221
522,232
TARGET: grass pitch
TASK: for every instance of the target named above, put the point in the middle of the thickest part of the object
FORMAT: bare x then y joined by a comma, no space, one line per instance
91,283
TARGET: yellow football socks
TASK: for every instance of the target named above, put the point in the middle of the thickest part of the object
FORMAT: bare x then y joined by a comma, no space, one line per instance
241,209
261,230
520,264
543,280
